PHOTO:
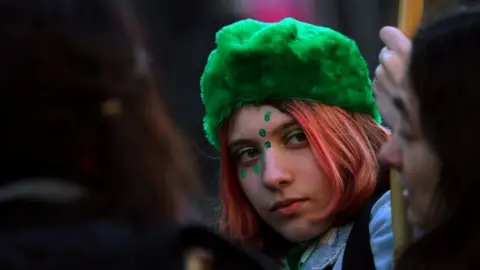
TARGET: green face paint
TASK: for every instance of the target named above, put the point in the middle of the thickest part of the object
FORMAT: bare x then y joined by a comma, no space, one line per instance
267,144
262,157
243,173
283,110
267,116
256,168
262,132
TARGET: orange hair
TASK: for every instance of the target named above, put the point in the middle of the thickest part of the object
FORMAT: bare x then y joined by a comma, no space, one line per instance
344,144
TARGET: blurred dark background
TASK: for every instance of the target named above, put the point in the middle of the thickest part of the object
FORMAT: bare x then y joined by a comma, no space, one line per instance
180,34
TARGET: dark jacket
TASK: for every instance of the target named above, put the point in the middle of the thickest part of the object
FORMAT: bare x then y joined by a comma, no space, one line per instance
106,245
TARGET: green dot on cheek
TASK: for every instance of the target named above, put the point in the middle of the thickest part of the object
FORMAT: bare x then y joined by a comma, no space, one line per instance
262,132
243,173
268,144
256,168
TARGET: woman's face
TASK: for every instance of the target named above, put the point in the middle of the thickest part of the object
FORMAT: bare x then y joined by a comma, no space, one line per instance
278,172
410,154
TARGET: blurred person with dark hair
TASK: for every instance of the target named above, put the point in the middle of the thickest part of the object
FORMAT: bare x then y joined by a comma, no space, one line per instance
79,104
95,175
178,35
428,90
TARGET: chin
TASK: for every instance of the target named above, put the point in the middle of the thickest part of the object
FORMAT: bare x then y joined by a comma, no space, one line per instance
299,231
415,218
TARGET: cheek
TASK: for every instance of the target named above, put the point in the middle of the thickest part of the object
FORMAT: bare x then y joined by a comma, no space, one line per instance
308,168
321,189
312,180
423,170
252,188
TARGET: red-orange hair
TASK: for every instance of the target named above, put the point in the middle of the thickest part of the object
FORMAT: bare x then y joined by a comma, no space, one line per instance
344,144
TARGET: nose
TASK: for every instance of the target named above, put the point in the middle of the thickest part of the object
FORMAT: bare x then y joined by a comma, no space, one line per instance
391,155
277,173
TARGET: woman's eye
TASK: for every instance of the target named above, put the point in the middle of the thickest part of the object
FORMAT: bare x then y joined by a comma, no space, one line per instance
296,137
247,155
406,136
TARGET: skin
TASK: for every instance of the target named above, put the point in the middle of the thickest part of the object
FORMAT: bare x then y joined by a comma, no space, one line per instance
278,164
407,150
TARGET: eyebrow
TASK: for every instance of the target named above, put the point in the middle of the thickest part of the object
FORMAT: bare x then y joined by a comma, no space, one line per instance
275,131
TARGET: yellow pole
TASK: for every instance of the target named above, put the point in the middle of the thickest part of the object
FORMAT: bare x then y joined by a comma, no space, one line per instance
402,232
410,14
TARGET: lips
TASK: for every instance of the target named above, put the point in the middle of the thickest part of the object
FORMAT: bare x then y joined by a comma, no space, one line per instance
287,206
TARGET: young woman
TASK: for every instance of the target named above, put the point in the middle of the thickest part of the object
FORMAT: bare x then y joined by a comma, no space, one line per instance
434,144
290,107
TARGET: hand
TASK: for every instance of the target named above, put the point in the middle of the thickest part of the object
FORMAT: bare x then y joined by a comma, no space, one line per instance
390,73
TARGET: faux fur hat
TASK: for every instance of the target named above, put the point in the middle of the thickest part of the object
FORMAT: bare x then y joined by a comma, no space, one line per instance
255,62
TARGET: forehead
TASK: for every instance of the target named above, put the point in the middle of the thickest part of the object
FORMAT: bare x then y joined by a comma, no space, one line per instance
247,121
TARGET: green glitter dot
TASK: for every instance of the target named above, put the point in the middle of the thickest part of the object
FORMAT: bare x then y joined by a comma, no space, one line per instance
283,110
268,144
262,157
256,168
262,132
267,116
243,173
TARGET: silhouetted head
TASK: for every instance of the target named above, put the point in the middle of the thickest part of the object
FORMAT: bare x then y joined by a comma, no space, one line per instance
78,105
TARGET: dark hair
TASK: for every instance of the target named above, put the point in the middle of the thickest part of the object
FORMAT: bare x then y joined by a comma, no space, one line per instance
62,62
444,73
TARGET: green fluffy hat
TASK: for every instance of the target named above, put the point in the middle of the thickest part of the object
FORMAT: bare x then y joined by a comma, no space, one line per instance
255,62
